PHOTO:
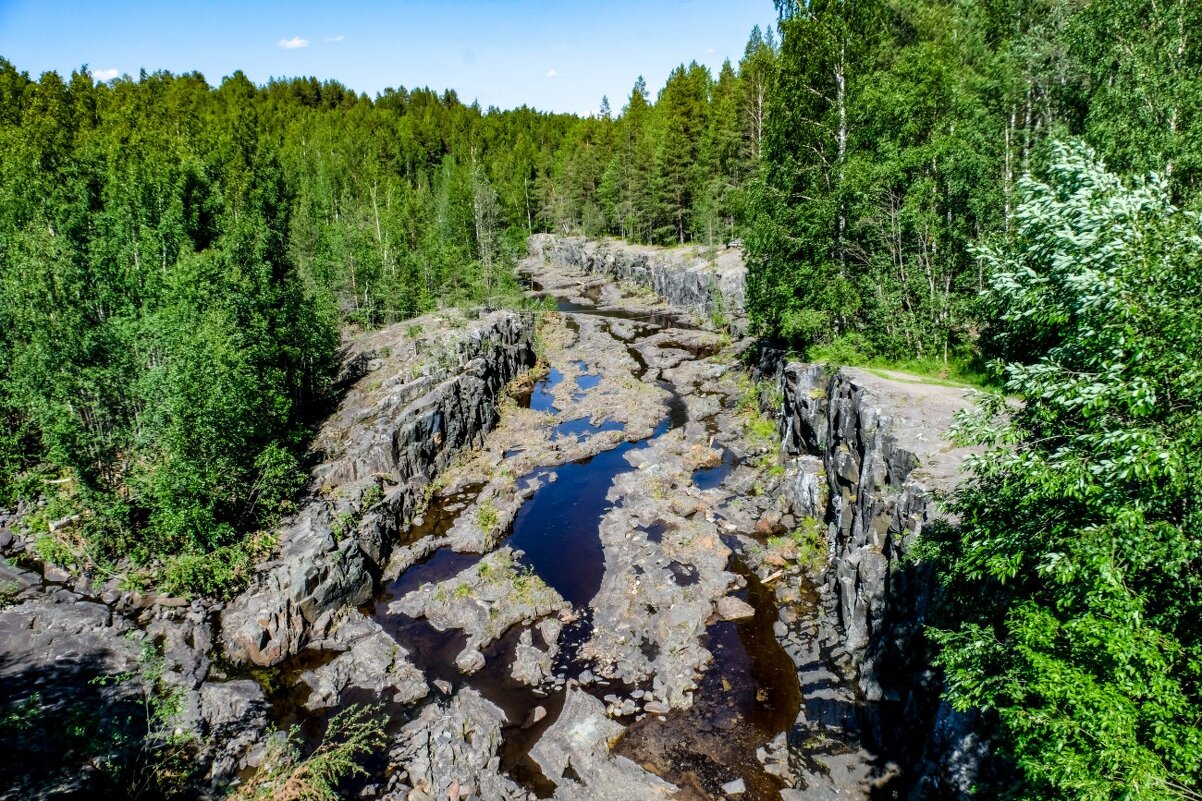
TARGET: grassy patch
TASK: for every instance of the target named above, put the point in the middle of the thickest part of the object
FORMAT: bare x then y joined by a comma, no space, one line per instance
804,546
487,515
220,573
963,368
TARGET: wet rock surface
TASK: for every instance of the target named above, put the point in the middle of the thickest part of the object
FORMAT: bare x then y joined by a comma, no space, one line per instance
483,602
589,580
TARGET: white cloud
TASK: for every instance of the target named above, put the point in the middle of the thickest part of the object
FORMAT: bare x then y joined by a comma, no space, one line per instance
105,75
553,73
337,38
293,43
710,51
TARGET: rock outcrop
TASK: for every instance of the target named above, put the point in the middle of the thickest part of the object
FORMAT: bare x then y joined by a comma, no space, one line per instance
418,392
574,754
871,455
368,661
881,452
484,602
451,751
692,278
83,685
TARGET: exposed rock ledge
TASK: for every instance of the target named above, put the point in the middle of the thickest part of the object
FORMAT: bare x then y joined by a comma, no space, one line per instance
418,392
690,278
878,450
872,455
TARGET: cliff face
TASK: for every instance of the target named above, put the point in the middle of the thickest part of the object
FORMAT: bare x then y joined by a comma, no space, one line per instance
418,393
871,454
689,278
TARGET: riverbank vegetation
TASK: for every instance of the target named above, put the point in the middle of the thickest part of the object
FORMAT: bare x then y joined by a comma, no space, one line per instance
1073,589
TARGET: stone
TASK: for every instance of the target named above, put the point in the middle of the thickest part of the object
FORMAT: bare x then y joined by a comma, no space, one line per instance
484,601
234,716
469,661
688,278
536,714
574,754
871,455
62,655
736,787
55,573
388,423
532,665
729,607
453,744
371,662
14,579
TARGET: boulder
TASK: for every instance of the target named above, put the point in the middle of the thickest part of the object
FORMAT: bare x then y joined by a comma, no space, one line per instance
729,607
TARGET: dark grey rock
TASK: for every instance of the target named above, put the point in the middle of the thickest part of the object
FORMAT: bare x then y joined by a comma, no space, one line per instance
483,602
871,453
691,278
234,718
391,433
453,744
371,662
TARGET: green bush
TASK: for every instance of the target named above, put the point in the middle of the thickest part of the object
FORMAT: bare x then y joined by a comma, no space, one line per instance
1073,588
220,573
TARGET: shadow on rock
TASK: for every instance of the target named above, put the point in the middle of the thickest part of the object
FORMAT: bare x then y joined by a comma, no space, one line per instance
72,728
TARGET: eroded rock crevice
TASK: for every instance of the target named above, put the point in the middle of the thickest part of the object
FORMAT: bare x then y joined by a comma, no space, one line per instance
870,456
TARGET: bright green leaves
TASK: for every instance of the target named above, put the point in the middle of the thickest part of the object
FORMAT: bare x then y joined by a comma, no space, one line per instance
1082,514
879,166
158,341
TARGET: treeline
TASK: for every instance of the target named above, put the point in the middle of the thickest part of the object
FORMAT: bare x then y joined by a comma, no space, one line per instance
896,135
669,169
176,261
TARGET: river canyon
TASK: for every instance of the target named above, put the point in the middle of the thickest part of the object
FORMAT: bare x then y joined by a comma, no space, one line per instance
609,550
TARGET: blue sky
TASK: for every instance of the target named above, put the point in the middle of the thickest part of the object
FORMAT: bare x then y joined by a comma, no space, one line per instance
554,55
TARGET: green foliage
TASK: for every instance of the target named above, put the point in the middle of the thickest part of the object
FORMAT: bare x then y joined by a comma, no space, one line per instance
23,717
371,496
805,545
486,515
219,573
1074,585
51,549
894,136
351,735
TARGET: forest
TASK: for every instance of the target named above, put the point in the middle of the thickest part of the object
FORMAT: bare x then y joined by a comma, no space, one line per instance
1002,189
